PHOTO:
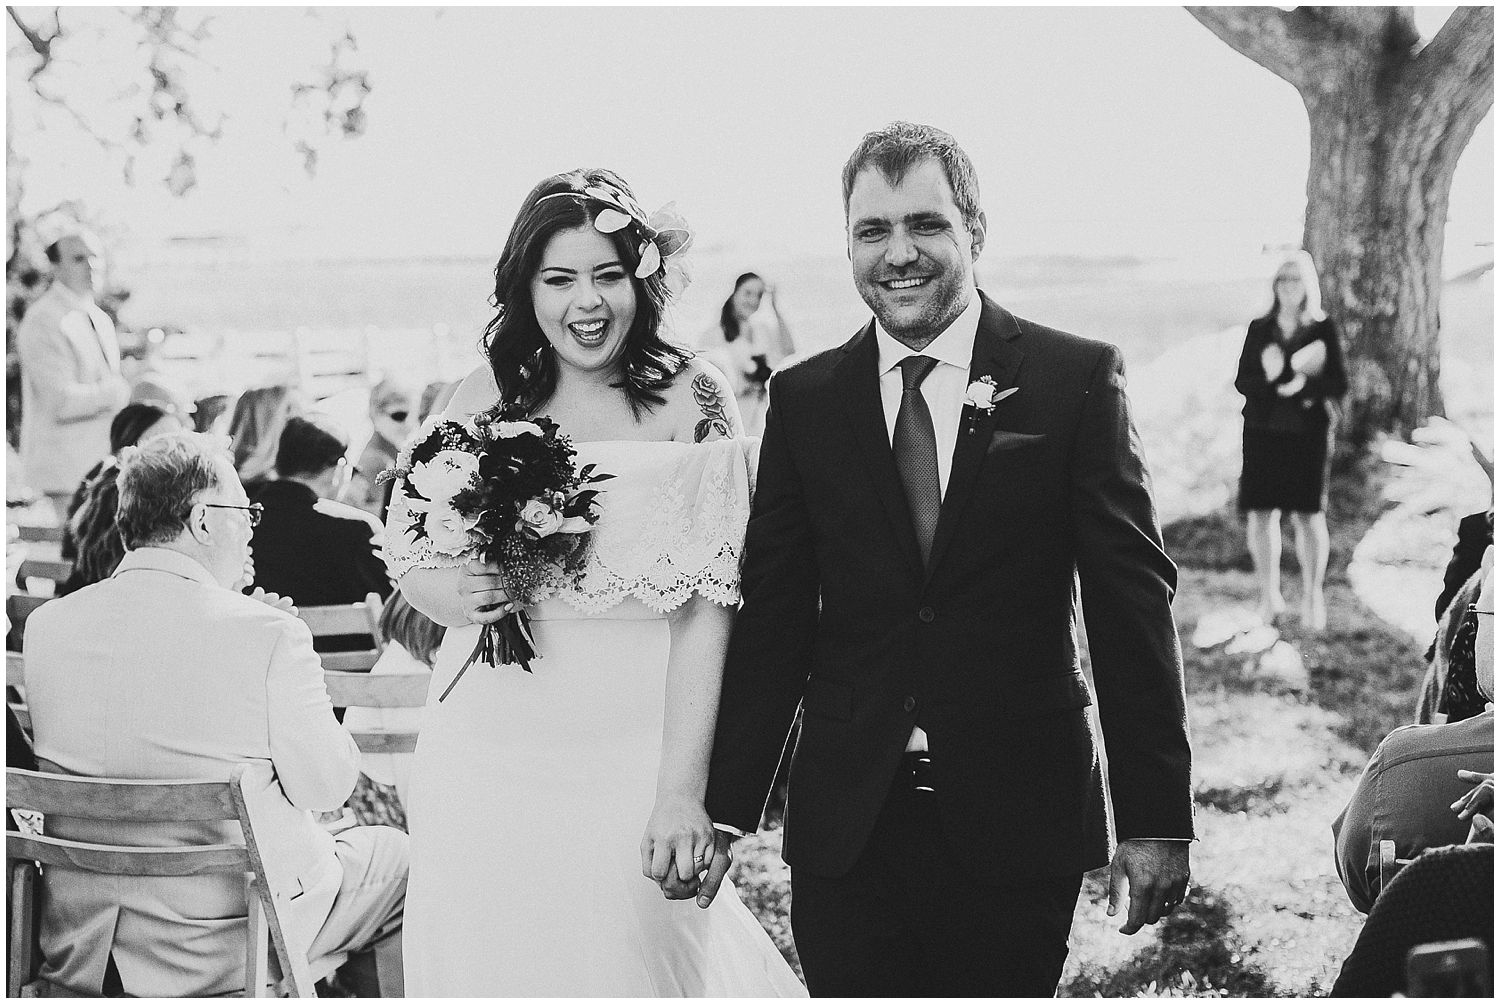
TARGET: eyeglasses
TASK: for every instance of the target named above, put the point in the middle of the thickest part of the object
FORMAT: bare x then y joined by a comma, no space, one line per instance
254,509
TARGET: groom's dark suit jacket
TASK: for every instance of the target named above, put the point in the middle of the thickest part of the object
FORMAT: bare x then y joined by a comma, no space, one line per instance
980,650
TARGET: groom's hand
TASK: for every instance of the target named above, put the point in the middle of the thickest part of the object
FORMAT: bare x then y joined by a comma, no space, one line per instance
717,868
1157,872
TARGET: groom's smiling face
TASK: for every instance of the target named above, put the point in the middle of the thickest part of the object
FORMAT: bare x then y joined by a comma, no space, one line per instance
913,257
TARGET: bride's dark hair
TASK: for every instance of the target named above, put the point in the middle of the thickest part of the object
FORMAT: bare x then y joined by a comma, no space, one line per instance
525,369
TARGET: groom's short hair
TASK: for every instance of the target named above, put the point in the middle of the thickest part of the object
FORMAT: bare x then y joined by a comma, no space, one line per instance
900,146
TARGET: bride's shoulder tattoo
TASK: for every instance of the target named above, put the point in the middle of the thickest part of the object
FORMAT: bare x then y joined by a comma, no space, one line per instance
711,403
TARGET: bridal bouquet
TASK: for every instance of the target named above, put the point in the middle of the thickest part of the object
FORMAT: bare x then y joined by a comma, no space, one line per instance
502,487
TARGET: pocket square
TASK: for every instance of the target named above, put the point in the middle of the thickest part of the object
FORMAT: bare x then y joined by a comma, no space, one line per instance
1004,439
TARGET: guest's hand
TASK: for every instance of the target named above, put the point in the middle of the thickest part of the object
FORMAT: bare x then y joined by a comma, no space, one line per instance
273,600
1292,386
1157,873
678,845
1272,361
247,577
482,593
1481,829
1479,800
1310,359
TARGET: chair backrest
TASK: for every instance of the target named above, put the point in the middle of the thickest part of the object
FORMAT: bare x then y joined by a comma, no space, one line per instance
146,801
351,662
344,618
379,690
15,670
54,570
40,534
18,607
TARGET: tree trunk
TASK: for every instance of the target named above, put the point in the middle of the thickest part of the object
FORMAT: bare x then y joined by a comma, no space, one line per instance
1389,118
1377,202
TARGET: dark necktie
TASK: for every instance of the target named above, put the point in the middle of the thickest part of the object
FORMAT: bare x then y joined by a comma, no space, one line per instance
915,447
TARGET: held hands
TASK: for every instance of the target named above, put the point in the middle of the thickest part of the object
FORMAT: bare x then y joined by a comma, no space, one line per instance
682,852
482,593
1157,872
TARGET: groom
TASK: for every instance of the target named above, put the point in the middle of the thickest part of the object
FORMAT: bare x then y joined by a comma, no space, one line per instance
932,495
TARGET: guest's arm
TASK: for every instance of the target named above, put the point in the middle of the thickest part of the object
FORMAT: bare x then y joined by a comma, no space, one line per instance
316,760
1250,377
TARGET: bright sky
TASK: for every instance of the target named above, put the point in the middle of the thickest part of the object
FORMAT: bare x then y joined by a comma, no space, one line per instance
1094,130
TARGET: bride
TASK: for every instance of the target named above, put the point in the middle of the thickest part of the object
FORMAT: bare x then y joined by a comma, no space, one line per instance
530,792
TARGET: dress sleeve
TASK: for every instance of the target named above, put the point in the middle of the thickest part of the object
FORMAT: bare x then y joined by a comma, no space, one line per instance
662,539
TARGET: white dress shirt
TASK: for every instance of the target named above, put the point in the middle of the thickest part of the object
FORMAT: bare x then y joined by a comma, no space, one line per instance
943,390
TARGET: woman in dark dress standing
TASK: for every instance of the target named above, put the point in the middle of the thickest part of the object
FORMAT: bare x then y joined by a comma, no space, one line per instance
1291,371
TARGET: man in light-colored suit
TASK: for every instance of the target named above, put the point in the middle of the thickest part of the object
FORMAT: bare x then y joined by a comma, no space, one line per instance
164,670
71,385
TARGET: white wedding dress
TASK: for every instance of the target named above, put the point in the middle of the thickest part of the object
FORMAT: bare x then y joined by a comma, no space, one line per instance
530,792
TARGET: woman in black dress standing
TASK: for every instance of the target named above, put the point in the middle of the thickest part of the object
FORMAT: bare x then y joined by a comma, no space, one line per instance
1291,371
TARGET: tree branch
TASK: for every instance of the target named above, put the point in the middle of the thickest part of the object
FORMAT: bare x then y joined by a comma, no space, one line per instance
41,46
1273,38
1463,47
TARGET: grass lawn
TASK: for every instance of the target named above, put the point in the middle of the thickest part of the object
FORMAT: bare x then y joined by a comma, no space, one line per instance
1275,759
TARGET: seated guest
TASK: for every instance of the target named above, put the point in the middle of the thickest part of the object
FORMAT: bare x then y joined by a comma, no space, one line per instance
211,414
97,548
1417,789
1448,692
1406,795
255,431
435,397
1447,894
165,670
309,547
393,412
133,424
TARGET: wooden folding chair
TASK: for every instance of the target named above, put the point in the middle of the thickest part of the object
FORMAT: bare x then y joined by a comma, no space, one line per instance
53,570
18,607
379,690
344,618
15,690
269,964
40,534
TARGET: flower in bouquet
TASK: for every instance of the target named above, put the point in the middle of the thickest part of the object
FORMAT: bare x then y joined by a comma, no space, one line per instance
502,487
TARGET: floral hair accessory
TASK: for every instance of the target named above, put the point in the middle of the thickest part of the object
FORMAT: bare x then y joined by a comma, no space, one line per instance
664,235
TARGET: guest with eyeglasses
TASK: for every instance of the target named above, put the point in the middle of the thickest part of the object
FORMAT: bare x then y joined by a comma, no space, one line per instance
165,670
309,546
393,411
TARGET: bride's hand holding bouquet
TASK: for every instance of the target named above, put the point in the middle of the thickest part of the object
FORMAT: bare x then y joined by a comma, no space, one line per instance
500,491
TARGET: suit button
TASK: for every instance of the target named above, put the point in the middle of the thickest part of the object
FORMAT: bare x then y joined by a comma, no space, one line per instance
910,704
926,615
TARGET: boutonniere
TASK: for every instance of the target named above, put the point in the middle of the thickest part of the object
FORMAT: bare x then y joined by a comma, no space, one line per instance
983,395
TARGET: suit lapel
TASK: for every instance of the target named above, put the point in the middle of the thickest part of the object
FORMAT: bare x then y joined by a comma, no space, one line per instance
995,355
857,385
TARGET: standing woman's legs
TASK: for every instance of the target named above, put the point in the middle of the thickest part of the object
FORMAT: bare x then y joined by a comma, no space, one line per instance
1311,530
1263,535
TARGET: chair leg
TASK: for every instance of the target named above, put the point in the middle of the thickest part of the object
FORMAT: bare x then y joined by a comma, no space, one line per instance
21,957
257,946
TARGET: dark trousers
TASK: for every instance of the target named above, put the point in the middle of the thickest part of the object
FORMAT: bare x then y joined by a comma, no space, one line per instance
907,921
